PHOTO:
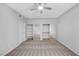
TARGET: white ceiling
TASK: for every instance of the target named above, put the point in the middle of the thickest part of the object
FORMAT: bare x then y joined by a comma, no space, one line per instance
57,9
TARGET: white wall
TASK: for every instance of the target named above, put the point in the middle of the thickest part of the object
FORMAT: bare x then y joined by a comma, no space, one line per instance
52,23
10,27
21,29
68,29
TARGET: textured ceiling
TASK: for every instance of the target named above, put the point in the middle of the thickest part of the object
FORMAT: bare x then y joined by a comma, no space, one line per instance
57,9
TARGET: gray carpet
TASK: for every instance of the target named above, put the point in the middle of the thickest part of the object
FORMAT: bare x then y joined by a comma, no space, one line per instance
41,48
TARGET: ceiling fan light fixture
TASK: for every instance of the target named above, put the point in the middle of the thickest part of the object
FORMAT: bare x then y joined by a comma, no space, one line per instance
40,7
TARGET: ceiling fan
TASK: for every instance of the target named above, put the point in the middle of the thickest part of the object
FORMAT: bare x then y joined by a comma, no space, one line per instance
40,7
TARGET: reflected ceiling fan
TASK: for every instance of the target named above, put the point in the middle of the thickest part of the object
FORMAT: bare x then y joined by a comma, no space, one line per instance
40,7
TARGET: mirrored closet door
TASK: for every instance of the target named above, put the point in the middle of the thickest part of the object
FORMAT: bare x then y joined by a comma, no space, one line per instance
29,31
45,31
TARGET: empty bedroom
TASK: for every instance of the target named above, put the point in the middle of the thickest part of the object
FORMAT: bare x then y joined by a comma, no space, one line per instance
39,29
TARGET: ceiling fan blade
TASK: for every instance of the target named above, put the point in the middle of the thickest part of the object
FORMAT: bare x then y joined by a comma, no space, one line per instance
44,3
36,4
40,3
48,8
